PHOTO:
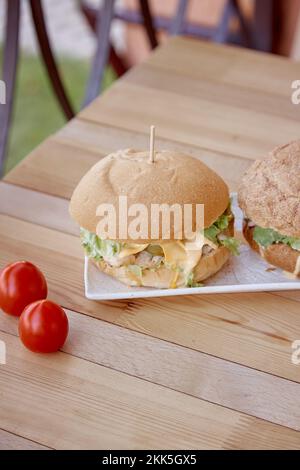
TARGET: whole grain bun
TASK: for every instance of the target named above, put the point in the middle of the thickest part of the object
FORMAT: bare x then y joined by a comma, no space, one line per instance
172,179
279,255
269,194
162,278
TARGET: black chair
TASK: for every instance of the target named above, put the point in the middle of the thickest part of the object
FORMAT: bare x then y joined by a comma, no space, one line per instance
100,22
258,34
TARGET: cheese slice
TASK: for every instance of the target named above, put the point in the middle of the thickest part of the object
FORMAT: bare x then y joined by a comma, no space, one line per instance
194,254
173,283
183,256
174,252
132,249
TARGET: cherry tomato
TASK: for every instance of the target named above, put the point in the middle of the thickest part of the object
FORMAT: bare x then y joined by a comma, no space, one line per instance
43,327
21,283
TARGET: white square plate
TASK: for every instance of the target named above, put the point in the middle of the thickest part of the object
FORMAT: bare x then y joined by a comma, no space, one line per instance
245,273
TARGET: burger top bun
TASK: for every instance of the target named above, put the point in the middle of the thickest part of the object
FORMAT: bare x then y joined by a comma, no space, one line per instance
269,194
173,178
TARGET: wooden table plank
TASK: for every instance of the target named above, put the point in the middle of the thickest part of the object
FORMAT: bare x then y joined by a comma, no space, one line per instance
212,97
251,70
241,328
53,168
186,119
47,169
105,409
295,295
96,136
10,441
39,208
185,370
215,91
223,105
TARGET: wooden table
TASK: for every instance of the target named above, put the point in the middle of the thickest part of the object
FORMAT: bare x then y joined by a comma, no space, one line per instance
184,372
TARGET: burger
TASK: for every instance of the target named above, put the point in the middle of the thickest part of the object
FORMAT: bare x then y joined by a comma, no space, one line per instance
269,196
154,260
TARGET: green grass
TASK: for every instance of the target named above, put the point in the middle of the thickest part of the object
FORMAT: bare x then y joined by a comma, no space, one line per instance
37,113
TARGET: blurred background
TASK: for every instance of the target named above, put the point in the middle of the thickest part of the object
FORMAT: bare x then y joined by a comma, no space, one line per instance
73,28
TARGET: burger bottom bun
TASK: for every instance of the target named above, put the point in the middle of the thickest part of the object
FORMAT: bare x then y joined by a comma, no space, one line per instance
164,277
211,263
280,255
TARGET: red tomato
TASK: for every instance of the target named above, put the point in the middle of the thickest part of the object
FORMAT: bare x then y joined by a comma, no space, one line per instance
43,327
21,283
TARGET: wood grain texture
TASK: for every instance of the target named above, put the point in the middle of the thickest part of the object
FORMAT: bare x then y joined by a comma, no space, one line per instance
240,103
107,139
105,409
189,372
250,70
182,369
215,91
295,295
53,168
186,119
47,168
10,441
241,328
38,208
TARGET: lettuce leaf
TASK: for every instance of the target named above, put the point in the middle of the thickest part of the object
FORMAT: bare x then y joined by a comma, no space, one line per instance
217,227
223,221
267,236
232,244
214,233
97,248
295,244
